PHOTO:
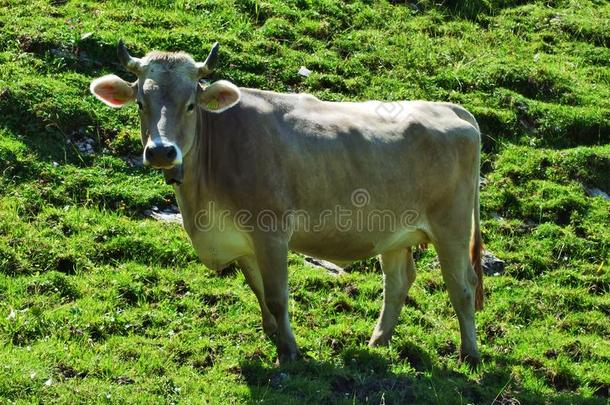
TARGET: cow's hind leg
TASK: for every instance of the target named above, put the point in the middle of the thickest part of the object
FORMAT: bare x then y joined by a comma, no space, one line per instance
398,276
254,279
461,280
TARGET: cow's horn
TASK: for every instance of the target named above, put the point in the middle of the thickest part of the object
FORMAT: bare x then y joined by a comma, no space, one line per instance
129,62
205,68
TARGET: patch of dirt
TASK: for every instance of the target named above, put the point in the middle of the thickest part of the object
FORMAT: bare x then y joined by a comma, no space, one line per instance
213,299
66,265
551,354
561,380
533,363
598,287
336,345
343,306
123,380
431,286
181,287
182,356
574,350
27,43
494,331
449,348
257,356
203,362
602,389
66,371
236,370
351,290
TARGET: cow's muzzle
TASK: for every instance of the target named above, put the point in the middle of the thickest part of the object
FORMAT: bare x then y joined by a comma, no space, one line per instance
162,155
174,175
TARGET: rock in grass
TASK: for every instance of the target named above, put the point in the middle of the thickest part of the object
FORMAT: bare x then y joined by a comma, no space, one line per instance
596,192
171,214
326,265
303,71
492,266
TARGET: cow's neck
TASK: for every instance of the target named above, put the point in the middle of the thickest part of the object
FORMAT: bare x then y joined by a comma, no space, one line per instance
196,191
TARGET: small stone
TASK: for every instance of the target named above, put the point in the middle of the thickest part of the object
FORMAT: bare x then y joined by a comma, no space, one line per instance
303,71
492,266
497,216
166,215
596,192
326,265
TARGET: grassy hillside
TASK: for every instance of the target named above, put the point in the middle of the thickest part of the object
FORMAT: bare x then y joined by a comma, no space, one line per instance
100,303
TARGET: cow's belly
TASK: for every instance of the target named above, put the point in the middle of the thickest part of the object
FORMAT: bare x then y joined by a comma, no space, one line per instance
218,248
343,248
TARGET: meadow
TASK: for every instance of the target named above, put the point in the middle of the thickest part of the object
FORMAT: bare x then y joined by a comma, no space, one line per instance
100,303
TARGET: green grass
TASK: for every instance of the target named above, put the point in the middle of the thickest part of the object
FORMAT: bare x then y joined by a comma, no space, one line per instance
100,304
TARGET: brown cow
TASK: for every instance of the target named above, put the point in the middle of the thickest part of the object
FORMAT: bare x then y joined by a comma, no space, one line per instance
257,173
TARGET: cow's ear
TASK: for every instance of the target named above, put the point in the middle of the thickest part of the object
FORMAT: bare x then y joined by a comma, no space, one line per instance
112,90
219,96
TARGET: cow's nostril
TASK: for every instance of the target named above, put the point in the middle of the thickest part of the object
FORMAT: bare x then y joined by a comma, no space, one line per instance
171,153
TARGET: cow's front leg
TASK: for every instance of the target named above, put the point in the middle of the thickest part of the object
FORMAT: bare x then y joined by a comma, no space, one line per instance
272,258
255,281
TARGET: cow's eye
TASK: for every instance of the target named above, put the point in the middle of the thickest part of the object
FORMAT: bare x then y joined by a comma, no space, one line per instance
140,105
190,107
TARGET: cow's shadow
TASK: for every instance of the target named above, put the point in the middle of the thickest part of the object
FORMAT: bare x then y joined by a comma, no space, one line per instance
362,376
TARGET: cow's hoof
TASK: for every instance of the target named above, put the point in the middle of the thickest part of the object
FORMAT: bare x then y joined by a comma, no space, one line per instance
472,360
379,340
287,358
270,329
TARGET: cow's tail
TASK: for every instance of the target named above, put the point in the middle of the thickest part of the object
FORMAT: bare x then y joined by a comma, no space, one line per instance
476,245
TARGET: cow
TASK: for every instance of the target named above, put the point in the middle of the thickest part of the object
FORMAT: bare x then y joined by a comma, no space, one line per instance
258,173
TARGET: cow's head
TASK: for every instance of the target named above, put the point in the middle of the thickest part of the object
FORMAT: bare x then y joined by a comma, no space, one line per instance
168,95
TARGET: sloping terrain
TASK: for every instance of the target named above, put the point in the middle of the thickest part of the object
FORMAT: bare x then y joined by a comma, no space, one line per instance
100,303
